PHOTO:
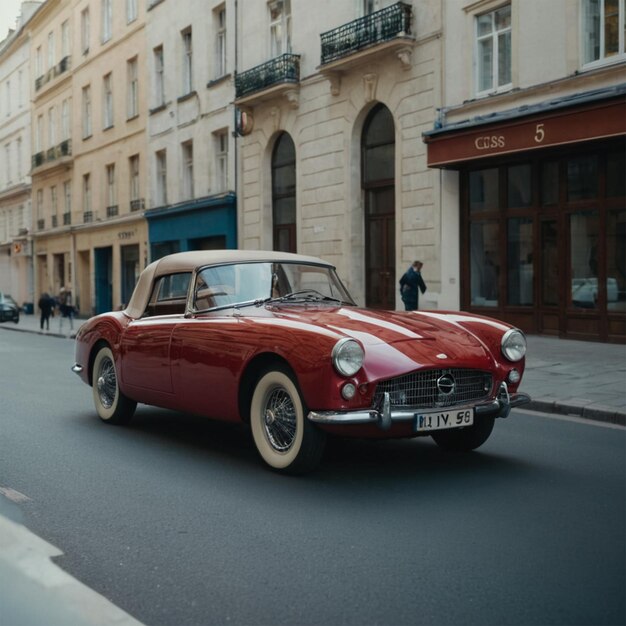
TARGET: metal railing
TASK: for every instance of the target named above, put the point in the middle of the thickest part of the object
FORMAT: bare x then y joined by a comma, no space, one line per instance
87,216
369,30
137,205
112,210
38,159
67,218
41,224
282,69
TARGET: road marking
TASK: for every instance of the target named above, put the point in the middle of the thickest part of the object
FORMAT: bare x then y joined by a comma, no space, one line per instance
14,496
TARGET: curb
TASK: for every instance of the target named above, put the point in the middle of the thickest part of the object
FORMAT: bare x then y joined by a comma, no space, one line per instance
40,332
586,410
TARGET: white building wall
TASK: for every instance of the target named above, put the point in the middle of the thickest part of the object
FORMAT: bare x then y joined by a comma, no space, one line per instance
326,130
15,135
195,117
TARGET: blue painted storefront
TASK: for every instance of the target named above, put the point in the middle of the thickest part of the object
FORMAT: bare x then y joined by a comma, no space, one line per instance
198,224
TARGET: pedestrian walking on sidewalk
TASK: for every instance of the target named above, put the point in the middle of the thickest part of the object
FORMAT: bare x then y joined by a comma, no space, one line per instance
46,304
410,282
66,308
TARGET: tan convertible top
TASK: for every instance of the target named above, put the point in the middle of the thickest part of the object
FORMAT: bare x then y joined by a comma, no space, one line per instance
189,261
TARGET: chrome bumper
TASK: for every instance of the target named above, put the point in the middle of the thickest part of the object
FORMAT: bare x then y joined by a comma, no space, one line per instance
384,416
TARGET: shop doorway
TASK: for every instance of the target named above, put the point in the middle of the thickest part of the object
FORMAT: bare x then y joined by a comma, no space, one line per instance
103,259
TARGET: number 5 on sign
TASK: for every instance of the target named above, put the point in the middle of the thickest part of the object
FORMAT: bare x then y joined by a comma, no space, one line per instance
540,133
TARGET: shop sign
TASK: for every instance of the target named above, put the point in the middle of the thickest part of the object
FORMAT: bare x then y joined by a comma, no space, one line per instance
572,126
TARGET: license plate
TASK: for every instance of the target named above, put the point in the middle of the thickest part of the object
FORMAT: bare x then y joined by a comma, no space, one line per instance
424,422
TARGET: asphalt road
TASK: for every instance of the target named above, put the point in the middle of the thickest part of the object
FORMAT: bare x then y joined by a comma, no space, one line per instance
176,521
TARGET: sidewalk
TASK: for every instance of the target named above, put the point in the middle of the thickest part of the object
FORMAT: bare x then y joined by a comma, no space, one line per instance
562,376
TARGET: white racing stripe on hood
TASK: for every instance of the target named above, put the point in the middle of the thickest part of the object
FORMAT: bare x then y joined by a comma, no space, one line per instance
458,318
359,317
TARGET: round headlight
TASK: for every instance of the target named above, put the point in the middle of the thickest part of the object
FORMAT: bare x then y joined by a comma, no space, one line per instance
514,344
347,357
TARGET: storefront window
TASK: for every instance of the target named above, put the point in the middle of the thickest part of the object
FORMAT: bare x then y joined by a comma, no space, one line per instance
549,264
520,261
616,260
483,188
582,177
615,179
519,186
584,259
485,264
549,183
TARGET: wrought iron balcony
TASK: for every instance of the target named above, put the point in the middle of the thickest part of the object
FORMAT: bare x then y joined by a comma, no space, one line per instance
67,218
87,216
38,159
41,224
112,210
137,205
63,65
282,70
55,221
65,148
51,154
373,29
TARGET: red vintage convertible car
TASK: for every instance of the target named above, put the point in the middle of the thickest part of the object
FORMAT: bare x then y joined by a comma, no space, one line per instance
275,340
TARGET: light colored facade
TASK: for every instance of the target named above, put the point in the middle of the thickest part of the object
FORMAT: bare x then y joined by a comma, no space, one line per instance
15,185
109,96
353,76
190,130
50,82
530,146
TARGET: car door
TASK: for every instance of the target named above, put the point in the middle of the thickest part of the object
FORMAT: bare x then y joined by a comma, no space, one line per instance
145,344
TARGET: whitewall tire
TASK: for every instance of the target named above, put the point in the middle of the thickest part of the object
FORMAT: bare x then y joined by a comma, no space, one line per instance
111,404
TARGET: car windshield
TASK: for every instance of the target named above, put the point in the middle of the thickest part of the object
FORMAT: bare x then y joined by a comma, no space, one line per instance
246,284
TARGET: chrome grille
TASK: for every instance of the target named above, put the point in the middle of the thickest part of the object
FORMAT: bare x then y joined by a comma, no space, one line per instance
421,389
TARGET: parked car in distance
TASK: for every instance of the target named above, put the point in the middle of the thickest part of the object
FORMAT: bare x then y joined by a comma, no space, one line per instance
275,340
9,310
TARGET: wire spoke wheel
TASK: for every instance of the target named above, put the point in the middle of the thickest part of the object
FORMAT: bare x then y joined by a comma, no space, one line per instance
286,440
107,383
111,404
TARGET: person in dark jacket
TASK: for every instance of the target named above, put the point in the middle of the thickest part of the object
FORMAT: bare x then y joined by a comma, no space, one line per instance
410,282
46,303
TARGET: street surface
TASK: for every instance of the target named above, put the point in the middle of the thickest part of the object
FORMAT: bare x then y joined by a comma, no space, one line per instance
176,521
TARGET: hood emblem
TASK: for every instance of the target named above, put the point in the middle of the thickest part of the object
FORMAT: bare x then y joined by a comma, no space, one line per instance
441,355
446,384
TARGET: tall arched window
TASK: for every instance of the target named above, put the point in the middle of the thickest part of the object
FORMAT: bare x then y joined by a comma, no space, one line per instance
378,183
284,194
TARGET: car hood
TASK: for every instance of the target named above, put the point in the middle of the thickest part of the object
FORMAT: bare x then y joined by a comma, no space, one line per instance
423,338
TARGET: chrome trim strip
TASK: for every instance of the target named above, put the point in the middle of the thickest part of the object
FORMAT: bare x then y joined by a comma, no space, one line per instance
384,416
77,369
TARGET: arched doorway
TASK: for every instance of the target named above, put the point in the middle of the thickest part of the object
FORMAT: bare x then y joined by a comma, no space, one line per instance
378,184
284,195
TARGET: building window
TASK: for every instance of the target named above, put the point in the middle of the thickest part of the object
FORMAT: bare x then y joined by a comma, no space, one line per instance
86,112
18,158
284,194
7,152
133,88
111,199
65,39
159,77
67,193
65,120
85,30
604,26
280,27
133,168
107,108
87,193
187,153
38,62
50,50
221,160
8,97
39,134
51,128
219,17
54,205
131,11
107,19
187,61
161,177
39,205
493,50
